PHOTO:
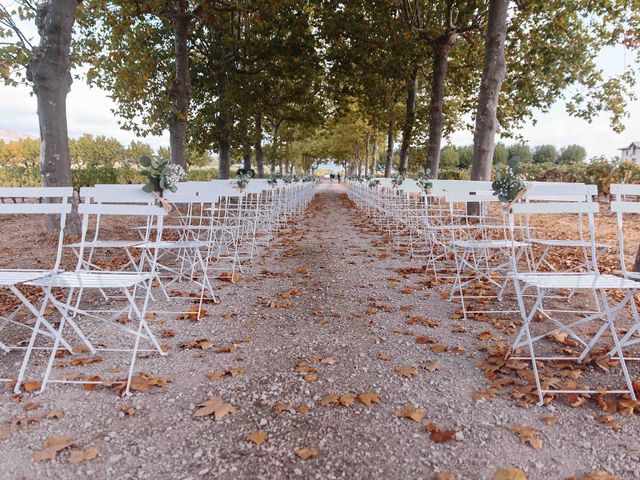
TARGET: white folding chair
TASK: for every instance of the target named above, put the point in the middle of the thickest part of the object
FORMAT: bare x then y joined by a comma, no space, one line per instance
535,311
79,310
42,202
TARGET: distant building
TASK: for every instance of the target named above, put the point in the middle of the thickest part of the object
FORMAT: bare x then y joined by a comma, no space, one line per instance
631,153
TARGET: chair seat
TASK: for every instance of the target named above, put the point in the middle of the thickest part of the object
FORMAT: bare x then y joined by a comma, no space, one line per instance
482,244
105,244
168,245
577,281
567,243
9,278
85,279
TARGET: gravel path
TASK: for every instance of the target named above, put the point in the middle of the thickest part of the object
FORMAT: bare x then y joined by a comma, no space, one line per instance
323,312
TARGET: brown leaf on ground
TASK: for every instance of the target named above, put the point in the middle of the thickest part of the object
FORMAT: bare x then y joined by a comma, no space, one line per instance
192,314
198,344
128,410
51,447
411,412
346,400
311,377
509,474
303,409
551,421
229,277
216,406
285,304
439,348
596,475
57,414
79,456
438,434
303,270
5,432
282,407
307,453
527,435
31,386
445,476
384,357
406,371
258,437
330,400
32,406
368,398
431,367
83,362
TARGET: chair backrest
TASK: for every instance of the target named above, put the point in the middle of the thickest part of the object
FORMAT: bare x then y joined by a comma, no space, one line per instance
626,200
560,191
133,204
44,201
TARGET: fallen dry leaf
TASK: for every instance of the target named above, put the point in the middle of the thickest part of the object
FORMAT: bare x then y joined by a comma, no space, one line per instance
551,421
51,447
307,453
216,407
527,435
57,414
79,456
31,386
406,371
5,432
368,398
438,434
411,412
510,474
384,357
258,437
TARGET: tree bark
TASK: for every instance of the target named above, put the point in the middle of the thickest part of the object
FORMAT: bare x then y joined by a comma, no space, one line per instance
389,160
409,120
358,160
258,147
367,152
636,264
374,160
180,91
442,48
224,158
223,127
49,73
246,160
493,74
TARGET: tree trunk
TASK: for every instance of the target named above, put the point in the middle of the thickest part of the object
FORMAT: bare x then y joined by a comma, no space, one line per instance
223,127
636,264
180,91
436,115
389,161
49,72
274,148
374,160
367,152
358,160
246,160
224,158
409,120
493,73
258,147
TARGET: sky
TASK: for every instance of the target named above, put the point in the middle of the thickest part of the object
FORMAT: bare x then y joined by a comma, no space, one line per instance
89,111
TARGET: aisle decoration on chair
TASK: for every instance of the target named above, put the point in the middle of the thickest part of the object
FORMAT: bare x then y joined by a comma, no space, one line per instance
374,182
509,184
397,180
424,181
161,175
242,180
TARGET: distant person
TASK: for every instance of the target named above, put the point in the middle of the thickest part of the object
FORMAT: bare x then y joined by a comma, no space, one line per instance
338,178
332,176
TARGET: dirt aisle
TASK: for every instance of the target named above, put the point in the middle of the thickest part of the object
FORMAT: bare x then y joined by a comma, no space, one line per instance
317,321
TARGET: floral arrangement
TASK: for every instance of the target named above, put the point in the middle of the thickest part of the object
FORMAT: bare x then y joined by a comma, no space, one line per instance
509,183
272,179
397,180
288,178
374,182
242,180
161,175
424,180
